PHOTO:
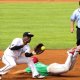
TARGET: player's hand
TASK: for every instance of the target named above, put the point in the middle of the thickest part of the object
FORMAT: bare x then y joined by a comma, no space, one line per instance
39,48
72,30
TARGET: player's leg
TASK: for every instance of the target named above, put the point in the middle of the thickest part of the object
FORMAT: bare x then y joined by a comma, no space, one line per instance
75,52
68,61
9,63
30,63
19,72
56,68
78,37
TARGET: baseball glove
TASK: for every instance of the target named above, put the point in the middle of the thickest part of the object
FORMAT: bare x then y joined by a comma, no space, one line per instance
38,49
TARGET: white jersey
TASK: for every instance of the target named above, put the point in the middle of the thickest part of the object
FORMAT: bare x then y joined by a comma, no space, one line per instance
76,17
16,53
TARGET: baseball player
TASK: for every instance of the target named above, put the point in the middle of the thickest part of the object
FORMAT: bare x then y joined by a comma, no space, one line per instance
75,17
13,55
54,68
41,68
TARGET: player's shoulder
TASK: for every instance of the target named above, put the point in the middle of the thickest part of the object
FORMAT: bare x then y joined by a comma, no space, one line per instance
27,45
17,39
76,10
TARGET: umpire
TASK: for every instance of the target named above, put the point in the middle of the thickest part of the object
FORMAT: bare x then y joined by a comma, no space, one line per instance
75,17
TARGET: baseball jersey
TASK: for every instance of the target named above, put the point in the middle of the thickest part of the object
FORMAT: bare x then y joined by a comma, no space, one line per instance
76,17
16,53
41,68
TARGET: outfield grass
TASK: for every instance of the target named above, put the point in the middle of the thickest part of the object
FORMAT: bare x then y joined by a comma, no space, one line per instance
49,22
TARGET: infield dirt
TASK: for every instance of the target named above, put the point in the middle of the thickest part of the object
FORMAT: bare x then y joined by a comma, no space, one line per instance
49,56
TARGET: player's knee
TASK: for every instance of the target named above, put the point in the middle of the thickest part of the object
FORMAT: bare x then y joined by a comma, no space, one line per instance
51,68
57,68
12,65
66,68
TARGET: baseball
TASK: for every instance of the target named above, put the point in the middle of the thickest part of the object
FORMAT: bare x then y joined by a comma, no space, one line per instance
43,48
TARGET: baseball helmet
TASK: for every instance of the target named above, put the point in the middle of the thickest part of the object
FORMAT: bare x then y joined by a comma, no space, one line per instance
27,34
35,59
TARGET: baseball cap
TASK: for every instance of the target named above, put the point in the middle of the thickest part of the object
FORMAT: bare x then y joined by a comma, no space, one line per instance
27,34
35,59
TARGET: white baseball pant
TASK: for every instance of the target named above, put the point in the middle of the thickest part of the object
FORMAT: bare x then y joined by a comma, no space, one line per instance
11,62
56,68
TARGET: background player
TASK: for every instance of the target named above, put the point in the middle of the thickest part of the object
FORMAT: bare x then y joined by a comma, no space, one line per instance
75,17
13,55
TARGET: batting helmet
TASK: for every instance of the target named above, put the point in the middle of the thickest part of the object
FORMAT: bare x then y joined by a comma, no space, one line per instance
35,59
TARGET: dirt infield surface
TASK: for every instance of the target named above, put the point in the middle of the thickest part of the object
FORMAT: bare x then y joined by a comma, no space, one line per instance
49,56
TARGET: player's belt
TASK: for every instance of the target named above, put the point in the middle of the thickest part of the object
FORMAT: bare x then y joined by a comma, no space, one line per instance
77,27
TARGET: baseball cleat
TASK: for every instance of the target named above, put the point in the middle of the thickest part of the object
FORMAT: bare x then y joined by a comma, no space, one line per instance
0,76
71,51
0,58
38,76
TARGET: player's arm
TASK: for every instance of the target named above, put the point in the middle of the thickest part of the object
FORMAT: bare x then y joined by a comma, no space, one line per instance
14,45
28,54
27,51
72,21
40,48
72,26
19,72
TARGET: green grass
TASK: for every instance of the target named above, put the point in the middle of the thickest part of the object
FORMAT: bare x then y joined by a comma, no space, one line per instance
49,22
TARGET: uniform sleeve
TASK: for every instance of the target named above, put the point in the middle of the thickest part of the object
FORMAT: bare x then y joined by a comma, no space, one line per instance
14,43
73,16
28,70
41,68
26,49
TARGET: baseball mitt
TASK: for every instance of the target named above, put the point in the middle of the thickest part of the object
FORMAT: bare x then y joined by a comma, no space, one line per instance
38,49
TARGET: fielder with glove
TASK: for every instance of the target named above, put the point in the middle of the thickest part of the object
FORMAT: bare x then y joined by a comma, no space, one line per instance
13,55
39,48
